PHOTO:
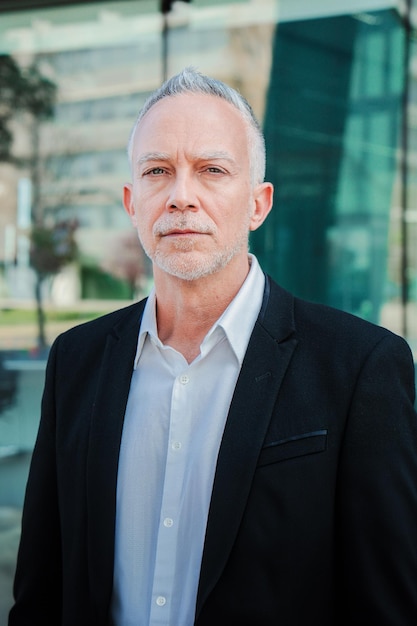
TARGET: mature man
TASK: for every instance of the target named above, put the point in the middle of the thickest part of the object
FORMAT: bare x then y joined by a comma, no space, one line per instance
223,452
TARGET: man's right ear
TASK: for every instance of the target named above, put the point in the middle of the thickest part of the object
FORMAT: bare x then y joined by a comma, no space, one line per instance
128,203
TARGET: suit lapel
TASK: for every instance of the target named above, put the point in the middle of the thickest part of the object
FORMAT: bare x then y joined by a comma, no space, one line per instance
106,430
269,352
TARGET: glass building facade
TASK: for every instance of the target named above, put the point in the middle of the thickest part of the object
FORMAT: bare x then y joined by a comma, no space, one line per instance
332,126
336,92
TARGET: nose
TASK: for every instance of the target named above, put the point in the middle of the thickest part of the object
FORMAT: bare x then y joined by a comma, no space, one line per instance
182,194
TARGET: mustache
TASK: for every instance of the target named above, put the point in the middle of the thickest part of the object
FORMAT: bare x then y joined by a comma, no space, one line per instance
168,224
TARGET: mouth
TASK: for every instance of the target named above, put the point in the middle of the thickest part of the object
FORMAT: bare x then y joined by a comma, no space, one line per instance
180,233
182,229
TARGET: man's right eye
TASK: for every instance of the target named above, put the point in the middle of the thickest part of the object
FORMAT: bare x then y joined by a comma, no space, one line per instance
154,171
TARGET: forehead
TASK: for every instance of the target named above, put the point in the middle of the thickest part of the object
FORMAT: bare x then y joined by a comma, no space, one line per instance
192,118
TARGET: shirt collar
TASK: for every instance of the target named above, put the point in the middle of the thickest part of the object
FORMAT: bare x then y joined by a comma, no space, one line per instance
239,318
236,322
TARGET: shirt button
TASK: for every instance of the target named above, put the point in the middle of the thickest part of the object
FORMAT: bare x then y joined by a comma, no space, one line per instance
176,445
168,522
161,600
184,379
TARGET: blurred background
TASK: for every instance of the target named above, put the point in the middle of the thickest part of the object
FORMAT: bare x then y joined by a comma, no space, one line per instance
334,85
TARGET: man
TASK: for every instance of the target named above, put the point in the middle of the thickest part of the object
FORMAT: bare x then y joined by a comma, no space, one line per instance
223,452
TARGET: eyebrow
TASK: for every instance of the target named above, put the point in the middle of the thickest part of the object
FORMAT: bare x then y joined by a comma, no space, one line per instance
152,156
203,156
214,156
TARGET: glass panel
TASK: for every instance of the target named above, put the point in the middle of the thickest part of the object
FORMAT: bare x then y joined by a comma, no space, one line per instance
332,128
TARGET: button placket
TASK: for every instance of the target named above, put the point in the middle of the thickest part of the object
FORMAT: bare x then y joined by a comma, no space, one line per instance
171,497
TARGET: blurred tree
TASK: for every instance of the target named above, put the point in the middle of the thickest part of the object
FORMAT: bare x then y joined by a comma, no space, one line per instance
27,90
22,90
38,100
10,90
51,248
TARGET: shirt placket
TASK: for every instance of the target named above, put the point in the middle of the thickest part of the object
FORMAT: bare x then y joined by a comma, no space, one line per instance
166,550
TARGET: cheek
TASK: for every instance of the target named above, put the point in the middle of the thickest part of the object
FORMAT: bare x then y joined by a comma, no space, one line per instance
239,219
144,227
150,196
146,210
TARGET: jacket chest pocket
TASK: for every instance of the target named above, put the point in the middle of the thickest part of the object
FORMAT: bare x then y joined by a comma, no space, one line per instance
291,447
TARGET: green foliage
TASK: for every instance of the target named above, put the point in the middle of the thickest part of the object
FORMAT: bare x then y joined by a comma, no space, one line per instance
38,94
10,88
22,89
52,247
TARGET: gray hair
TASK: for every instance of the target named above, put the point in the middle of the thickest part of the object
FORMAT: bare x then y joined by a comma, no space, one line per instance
189,80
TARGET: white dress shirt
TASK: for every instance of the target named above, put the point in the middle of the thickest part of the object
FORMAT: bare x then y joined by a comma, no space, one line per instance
174,421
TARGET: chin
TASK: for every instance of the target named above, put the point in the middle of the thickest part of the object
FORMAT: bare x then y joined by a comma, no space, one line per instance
190,269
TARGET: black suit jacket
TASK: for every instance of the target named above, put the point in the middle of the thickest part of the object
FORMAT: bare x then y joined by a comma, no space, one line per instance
313,516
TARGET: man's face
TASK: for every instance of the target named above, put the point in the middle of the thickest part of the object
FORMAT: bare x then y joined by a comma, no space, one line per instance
191,198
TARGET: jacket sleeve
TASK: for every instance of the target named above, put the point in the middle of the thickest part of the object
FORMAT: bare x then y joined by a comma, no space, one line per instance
377,493
38,579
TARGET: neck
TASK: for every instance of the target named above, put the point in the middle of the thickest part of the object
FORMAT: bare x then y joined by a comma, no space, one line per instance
186,310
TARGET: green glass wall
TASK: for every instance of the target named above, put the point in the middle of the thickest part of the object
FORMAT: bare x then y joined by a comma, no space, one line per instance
332,127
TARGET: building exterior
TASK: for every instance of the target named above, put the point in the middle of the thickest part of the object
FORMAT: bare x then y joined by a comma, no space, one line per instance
327,83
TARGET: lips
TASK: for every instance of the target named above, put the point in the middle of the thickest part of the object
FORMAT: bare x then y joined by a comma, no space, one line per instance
184,232
164,229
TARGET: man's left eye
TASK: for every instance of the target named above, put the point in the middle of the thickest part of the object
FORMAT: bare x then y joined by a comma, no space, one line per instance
214,170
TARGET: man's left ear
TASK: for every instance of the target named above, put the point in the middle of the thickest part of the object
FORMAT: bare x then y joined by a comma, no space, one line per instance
263,195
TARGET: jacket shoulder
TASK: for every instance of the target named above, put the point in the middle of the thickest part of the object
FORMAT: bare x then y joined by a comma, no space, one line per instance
116,321
320,322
